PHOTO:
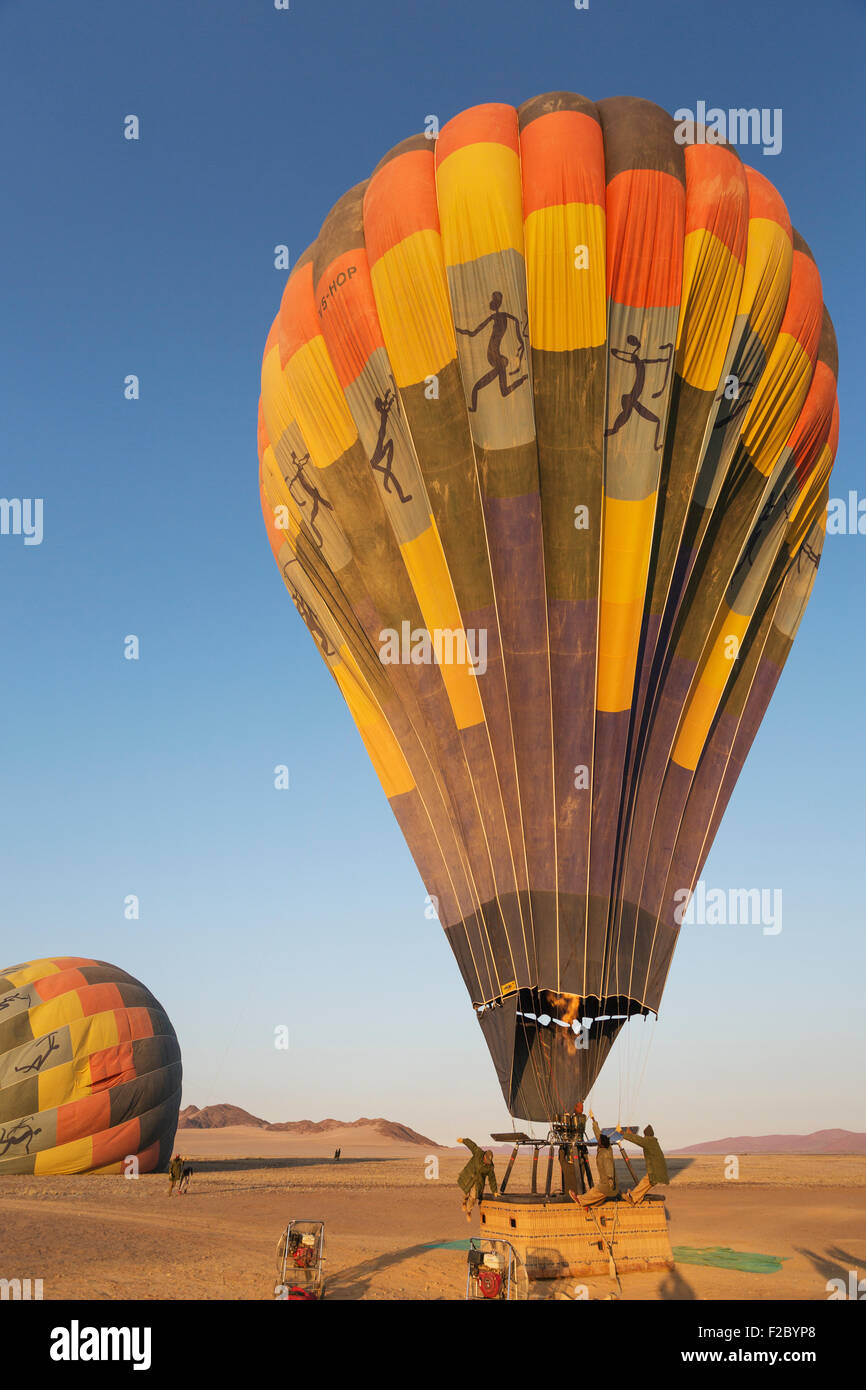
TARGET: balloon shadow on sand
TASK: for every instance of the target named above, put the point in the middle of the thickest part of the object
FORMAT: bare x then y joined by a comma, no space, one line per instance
674,1288
834,1263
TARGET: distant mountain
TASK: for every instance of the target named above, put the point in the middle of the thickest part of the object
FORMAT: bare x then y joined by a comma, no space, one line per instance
223,1116
217,1117
823,1141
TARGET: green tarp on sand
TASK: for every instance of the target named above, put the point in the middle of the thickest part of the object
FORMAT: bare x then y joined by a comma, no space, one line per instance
724,1258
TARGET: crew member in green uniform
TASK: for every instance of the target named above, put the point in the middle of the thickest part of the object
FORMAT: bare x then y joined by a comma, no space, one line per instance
175,1172
656,1167
605,1184
478,1171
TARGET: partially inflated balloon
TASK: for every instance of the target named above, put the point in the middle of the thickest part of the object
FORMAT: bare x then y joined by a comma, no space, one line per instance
90,1070
547,419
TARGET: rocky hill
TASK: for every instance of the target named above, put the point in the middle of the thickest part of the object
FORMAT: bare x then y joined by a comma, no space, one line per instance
823,1141
226,1116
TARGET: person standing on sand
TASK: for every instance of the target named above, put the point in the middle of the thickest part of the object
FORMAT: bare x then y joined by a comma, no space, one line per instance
656,1167
478,1171
175,1173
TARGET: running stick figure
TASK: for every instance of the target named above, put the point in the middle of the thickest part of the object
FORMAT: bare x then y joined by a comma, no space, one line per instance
499,320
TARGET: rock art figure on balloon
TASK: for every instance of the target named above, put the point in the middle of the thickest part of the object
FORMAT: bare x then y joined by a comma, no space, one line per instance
499,320
385,447
19,997
631,401
312,492
42,1057
20,1133
317,632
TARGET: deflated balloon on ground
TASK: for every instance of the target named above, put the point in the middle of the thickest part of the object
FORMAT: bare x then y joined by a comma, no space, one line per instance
90,1070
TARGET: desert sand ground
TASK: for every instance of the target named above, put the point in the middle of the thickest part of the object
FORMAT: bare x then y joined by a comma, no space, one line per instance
116,1238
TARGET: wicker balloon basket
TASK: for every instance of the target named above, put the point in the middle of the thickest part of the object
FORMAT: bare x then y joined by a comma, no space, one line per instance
556,1238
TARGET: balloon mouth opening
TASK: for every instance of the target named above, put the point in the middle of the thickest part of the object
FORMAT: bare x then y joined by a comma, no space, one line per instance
549,1046
570,1013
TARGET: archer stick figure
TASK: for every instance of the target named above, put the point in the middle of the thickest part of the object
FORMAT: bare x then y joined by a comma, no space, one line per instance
42,1057
631,402
767,512
312,491
499,320
385,447
745,392
20,1133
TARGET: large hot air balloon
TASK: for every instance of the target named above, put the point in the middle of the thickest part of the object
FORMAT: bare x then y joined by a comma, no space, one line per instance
547,418
90,1070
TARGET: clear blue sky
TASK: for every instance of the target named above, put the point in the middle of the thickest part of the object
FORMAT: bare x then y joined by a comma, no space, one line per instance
155,777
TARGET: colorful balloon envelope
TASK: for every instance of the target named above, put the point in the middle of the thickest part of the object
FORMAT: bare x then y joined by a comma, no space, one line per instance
547,418
90,1070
